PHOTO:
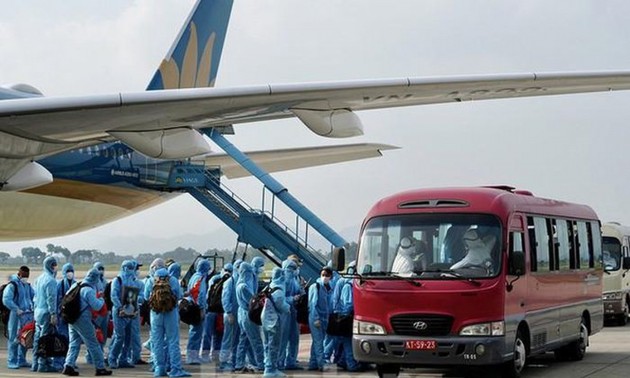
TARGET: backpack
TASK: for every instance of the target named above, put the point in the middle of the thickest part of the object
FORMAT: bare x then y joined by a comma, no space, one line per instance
215,292
4,309
257,303
71,304
162,298
301,305
107,293
189,312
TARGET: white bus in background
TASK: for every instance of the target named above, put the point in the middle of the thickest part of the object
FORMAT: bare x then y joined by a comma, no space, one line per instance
616,261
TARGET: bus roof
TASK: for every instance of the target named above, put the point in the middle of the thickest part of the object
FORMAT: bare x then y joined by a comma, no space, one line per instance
499,200
616,230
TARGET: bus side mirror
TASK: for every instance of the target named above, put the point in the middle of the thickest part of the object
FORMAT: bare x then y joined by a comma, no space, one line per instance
517,263
626,263
338,259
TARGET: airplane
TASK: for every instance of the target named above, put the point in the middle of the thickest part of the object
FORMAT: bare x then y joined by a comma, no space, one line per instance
72,163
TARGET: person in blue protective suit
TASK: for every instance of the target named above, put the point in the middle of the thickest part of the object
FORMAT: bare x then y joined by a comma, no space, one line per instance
83,330
231,330
245,290
102,321
198,292
63,286
165,329
18,298
318,312
158,263
331,343
273,313
175,270
132,347
290,340
343,304
212,336
122,320
45,311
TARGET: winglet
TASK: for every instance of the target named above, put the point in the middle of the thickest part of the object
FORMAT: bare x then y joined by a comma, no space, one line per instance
193,60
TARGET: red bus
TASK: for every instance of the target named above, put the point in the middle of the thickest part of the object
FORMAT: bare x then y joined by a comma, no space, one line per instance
484,276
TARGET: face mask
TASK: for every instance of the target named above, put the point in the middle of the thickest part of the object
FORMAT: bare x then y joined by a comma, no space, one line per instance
24,279
260,270
70,275
138,273
326,280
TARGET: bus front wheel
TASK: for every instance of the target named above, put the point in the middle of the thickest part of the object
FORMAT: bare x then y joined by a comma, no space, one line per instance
513,368
623,320
387,371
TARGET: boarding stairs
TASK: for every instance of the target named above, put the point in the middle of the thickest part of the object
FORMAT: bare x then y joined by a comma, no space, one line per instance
259,228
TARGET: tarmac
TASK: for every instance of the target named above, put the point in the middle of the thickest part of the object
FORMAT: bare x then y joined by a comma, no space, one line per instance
608,356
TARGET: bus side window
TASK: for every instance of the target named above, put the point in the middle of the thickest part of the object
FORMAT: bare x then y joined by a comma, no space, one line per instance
533,245
543,241
517,246
583,243
595,245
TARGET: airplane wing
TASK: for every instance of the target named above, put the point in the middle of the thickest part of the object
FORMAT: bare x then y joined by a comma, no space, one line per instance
31,128
294,158
76,119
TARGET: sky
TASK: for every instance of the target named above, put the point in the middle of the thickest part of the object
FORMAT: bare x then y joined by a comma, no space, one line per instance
572,147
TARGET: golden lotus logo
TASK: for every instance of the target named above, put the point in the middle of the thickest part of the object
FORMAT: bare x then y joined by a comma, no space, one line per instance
195,73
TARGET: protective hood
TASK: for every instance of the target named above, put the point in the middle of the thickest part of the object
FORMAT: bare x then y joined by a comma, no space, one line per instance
352,267
175,270
156,264
93,277
228,268
66,268
258,263
203,266
128,268
246,274
277,277
48,265
161,273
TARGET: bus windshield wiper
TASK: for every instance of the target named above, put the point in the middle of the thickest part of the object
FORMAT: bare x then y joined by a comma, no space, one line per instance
456,275
462,277
411,280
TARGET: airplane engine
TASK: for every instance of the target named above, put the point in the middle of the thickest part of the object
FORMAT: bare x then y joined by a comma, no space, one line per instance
334,123
10,91
30,176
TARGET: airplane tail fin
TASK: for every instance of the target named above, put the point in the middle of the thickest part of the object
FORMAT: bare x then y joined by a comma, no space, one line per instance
193,60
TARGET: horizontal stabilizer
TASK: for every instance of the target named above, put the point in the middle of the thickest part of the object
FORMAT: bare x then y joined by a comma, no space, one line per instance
295,158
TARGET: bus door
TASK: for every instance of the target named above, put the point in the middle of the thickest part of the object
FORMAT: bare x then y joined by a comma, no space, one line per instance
516,287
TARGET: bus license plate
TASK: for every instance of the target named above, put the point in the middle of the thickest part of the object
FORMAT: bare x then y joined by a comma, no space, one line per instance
420,344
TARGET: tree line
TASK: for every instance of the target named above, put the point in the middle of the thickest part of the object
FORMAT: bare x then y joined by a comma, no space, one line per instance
35,256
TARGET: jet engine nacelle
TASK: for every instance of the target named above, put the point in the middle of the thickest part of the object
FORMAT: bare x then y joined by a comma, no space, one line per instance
30,176
11,91
178,143
334,123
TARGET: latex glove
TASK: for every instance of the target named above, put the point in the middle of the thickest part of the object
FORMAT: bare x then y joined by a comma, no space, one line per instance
19,312
230,318
53,320
317,324
296,298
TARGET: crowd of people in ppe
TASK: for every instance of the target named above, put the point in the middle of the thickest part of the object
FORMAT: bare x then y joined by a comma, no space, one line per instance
224,333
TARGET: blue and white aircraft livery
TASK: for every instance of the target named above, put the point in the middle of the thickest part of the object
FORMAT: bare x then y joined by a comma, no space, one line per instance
72,163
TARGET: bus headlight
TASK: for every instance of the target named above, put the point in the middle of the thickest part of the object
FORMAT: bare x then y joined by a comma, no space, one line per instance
367,328
615,295
484,329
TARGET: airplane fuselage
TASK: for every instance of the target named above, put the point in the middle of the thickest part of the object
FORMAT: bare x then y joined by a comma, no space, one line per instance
92,186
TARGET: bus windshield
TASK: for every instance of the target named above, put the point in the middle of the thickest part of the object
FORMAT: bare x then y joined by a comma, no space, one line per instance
612,254
431,246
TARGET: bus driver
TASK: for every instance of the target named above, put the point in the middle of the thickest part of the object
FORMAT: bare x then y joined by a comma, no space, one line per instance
478,251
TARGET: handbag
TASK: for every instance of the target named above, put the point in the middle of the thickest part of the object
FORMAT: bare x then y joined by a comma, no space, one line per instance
27,334
52,345
340,325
